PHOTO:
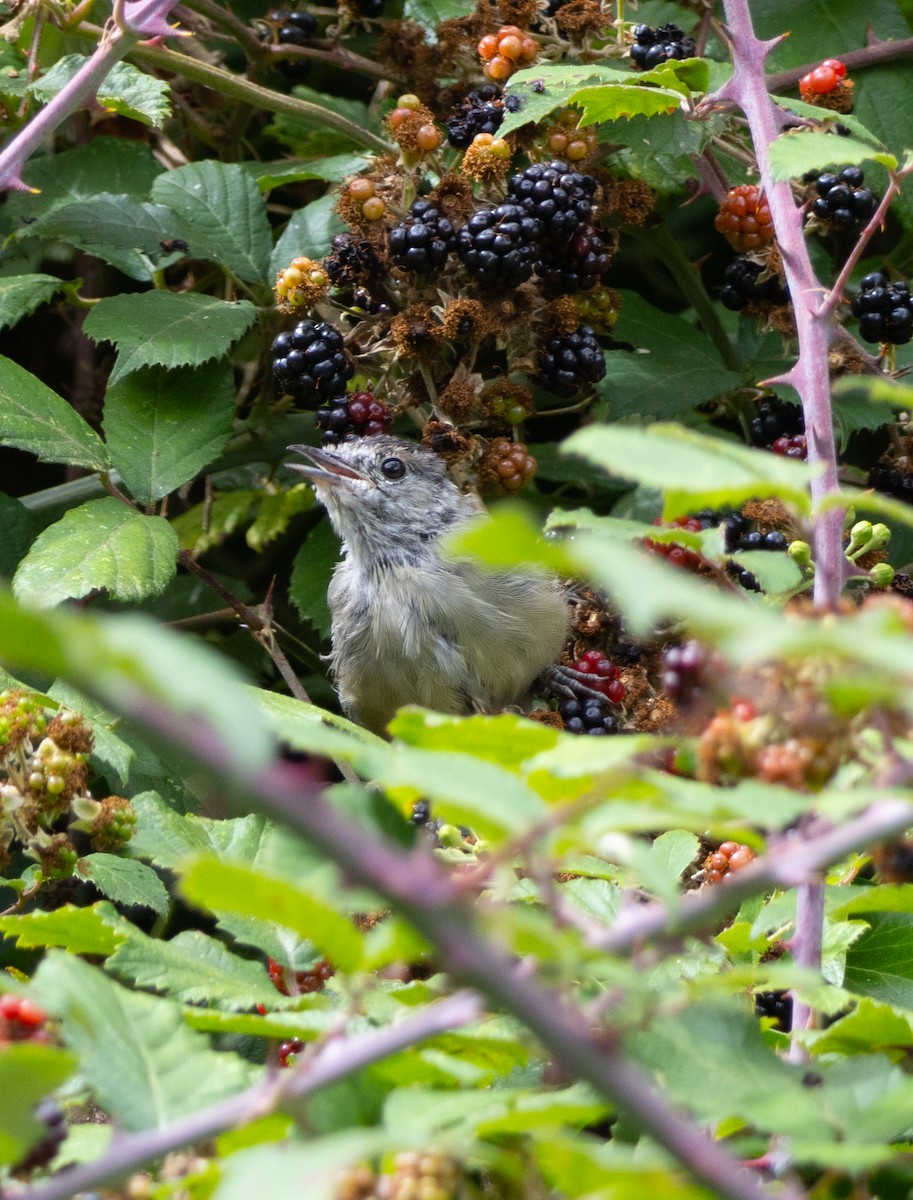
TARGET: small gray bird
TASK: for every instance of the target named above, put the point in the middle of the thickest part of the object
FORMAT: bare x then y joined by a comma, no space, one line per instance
408,625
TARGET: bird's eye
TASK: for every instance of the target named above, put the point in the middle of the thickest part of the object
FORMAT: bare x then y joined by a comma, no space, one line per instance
393,468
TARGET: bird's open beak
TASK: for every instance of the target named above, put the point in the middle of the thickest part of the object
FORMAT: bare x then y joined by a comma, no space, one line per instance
324,466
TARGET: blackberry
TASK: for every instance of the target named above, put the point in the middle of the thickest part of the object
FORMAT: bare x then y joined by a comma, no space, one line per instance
369,8
579,267
568,363
560,198
743,285
885,310
745,219
682,670
359,414
587,716
499,245
295,29
891,481
43,1151
743,578
755,540
778,1005
481,111
842,201
311,362
734,526
422,241
654,46
421,812
353,262
775,419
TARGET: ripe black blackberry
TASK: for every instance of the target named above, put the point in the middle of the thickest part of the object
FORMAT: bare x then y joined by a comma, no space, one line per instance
560,198
354,262
682,670
481,111
887,478
755,540
421,243
654,46
775,419
742,577
499,245
587,716
359,415
577,268
295,29
733,527
311,362
885,310
744,286
568,363
842,201
778,1005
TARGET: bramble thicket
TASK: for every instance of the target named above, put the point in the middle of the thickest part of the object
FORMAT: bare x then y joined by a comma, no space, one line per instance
640,276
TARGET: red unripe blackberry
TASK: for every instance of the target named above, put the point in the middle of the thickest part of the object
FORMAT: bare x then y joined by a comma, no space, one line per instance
359,415
504,52
289,1051
603,675
744,219
815,83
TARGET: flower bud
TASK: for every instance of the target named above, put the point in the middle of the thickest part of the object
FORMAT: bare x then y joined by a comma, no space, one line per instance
882,575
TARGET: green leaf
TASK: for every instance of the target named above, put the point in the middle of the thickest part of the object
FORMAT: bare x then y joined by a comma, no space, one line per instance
802,150
97,930
616,100
309,727
195,969
163,835
163,427
334,169
505,739
104,164
872,1027
144,1065
125,90
674,368
880,963
20,528
693,470
34,418
309,233
828,119
169,329
545,88
308,1171
235,888
430,13
311,571
660,152
222,215
125,881
100,544
28,1073
22,294
776,573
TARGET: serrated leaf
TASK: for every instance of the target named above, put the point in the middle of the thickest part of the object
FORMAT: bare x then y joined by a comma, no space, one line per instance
275,513
115,165
232,887
168,329
195,969
163,835
543,89
660,152
144,1065
624,100
28,1073
871,1027
222,214
334,169
125,881
827,118
103,544
880,963
125,90
674,368
163,427
309,727
208,524
775,572
693,470
34,418
97,930
795,153
309,232
22,294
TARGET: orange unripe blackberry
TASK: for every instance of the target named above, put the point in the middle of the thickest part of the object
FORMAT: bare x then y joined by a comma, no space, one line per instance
744,219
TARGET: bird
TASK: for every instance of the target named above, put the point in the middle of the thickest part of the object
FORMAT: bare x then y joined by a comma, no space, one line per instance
410,625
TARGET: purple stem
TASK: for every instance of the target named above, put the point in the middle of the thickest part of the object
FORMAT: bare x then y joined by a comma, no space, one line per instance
332,1062
806,952
809,375
143,19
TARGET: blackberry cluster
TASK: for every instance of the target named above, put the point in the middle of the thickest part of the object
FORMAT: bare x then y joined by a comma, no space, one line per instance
778,1005
560,198
295,29
422,241
842,200
755,540
359,415
885,310
54,1120
774,421
889,479
568,363
577,268
353,262
499,245
743,285
481,111
743,578
587,716
744,219
682,670
311,362
654,46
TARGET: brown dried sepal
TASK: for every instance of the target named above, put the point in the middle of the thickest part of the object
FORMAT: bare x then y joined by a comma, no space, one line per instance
469,322
561,317
453,198
518,12
70,732
629,202
416,334
460,401
485,162
579,18
449,443
839,99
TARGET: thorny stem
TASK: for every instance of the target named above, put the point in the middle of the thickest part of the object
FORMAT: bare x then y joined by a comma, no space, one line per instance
334,1061
424,893
146,17
806,951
